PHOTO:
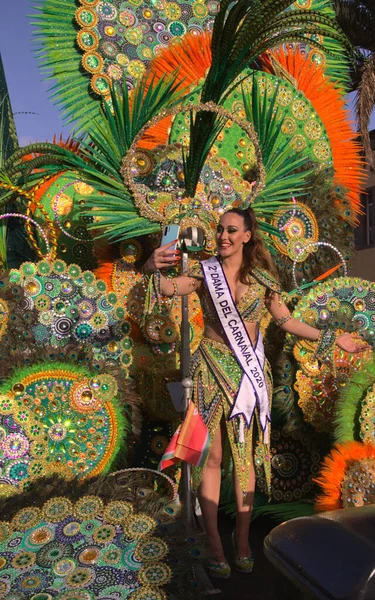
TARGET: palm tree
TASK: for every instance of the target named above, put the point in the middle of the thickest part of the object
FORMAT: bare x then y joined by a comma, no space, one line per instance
357,19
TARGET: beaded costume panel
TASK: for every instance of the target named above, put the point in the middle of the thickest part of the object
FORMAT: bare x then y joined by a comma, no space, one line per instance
252,303
216,377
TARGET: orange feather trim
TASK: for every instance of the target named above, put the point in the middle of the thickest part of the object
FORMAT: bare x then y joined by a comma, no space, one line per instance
329,104
190,56
328,273
104,271
333,472
40,190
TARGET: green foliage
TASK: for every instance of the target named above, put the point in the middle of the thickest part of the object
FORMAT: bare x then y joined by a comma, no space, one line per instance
98,159
285,511
286,171
348,407
241,33
56,49
121,122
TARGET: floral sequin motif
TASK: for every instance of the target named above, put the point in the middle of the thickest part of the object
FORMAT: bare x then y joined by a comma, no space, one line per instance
117,33
300,110
54,557
58,416
74,307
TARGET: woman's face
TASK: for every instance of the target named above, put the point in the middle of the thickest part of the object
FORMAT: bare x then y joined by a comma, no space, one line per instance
231,235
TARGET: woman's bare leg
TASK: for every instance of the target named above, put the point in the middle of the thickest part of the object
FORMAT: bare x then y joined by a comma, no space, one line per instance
209,494
244,507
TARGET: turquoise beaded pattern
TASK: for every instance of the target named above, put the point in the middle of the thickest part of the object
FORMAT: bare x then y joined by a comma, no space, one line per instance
58,417
16,445
73,307
295,461
128,35
345,303
84,551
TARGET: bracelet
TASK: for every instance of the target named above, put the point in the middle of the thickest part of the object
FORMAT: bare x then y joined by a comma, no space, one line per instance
157,286
326,344
193,282
279,322
175,289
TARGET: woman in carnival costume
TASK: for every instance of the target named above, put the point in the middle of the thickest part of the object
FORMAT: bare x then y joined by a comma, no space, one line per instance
232,382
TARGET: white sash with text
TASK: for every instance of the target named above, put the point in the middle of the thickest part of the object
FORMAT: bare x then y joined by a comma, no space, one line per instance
253,389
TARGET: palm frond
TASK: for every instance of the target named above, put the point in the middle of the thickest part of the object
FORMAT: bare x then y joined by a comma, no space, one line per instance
286,172
115,217
357,19
56,50
8,134
336,61
286,511
364,104
97,160
128,114
6,192
268,26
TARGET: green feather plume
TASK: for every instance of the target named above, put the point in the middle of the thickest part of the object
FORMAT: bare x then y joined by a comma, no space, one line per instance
98,159
348,408
286,172
56,49
241,33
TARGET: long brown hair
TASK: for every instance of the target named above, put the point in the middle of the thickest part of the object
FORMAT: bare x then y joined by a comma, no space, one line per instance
255,253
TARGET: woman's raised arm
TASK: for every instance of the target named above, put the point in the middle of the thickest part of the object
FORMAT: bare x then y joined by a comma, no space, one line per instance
164,257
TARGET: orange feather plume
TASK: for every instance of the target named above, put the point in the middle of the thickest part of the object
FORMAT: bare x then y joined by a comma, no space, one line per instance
190,57
329,104
328,273
105,271
333,471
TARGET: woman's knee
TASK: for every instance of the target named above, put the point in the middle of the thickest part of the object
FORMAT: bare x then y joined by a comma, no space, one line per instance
215,458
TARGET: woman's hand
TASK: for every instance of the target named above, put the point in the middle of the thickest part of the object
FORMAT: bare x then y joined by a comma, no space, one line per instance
161,258
352,342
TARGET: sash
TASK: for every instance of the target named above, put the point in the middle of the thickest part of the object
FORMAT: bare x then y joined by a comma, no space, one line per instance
252,390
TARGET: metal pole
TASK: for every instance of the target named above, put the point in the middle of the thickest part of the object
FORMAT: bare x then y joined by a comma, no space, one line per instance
187,505
185,327
198,572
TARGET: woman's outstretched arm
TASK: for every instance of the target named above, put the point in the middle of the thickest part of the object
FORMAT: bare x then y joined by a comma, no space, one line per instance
350,342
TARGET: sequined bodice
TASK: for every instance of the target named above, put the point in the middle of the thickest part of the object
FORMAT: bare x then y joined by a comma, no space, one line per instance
250,307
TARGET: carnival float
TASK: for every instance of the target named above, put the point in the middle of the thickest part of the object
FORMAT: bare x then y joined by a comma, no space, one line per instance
181,110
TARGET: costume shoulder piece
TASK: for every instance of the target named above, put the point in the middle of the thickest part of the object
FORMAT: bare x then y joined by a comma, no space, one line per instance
195,269
267,279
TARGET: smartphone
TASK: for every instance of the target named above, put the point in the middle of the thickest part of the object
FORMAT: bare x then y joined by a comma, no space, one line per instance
170,233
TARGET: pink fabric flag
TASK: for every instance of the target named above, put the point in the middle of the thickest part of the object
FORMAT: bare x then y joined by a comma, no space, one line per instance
190,442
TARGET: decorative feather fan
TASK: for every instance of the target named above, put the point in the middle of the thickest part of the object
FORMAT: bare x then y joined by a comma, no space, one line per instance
355,407
87,47
117,535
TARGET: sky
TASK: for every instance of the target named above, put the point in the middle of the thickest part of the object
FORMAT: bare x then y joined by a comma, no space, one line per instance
28,92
